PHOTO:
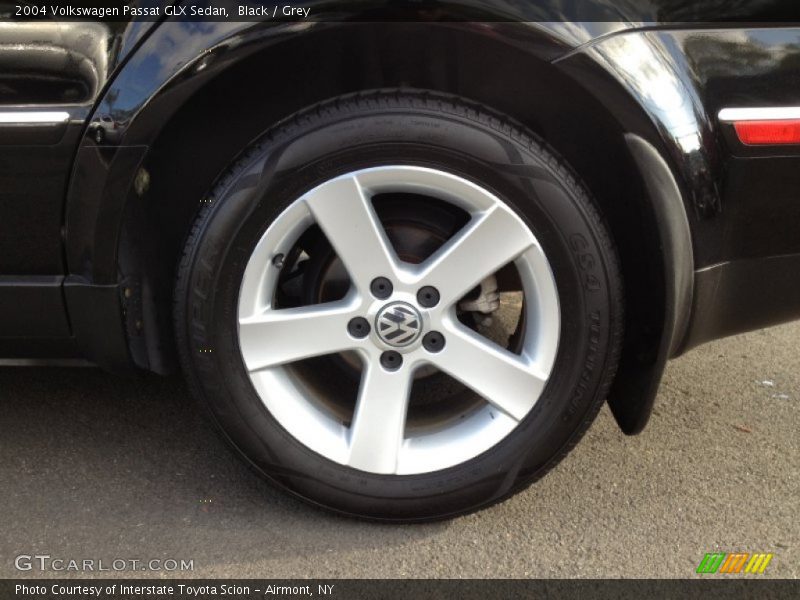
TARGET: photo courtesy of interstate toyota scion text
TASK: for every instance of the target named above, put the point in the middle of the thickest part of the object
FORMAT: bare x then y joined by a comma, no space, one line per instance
402,252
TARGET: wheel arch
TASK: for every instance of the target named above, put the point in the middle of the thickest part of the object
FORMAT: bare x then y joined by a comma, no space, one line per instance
153,180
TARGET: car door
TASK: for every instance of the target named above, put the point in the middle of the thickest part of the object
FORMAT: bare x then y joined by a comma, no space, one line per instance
51,73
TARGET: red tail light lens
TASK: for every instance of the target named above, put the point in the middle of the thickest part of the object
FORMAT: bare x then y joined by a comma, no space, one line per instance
758,133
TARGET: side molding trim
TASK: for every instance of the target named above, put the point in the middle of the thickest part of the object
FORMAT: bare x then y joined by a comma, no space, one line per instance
26,126
767,113
33,117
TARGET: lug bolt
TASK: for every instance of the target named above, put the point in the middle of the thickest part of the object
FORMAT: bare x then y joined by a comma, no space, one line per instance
433,341
391,360
381,288
358,327
428,296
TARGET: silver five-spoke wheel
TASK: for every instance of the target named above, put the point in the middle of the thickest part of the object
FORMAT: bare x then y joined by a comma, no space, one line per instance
399,319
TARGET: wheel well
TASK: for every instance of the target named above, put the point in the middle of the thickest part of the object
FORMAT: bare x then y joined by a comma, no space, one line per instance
214,125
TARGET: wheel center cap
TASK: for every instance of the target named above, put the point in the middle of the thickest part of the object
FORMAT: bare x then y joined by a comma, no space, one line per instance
398,324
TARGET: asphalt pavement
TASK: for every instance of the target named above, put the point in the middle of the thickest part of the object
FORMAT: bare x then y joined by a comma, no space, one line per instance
101,467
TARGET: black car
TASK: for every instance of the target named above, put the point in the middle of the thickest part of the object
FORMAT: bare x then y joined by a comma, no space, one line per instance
401,251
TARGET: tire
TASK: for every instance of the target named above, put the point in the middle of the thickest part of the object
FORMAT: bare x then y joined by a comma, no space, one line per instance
257,407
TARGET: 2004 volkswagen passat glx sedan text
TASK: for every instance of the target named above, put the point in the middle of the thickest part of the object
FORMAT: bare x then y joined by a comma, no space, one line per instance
401,263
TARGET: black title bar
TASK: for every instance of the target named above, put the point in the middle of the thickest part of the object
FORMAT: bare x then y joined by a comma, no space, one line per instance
417,589
628,11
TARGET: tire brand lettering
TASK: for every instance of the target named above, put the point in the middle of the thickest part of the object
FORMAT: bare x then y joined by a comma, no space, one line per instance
586,261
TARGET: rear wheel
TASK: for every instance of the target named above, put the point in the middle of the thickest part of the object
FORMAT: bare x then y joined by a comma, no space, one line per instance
400,306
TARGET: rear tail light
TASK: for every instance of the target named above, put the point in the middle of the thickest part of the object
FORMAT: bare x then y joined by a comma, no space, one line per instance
764,125
759,133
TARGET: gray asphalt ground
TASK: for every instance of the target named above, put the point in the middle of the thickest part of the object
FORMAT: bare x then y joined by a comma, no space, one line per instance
97,466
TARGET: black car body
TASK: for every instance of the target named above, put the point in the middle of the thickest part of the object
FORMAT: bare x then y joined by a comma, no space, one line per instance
112,132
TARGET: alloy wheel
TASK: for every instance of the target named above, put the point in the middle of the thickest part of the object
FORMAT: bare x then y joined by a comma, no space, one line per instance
398,319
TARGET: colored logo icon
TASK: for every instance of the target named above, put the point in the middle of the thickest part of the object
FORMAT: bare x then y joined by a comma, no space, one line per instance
735,562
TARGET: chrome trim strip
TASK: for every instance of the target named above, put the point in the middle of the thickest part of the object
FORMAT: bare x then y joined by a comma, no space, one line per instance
34,117
767,113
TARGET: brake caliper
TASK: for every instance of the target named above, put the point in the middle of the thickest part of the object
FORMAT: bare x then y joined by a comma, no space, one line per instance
487,301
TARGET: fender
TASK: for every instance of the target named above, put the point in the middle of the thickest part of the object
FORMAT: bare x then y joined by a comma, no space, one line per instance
168,67
177,59
159,68
680,164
